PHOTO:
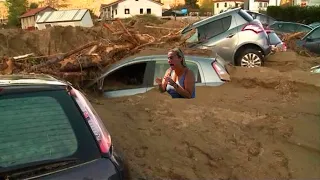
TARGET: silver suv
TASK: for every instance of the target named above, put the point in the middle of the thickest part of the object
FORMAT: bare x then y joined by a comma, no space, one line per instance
234,35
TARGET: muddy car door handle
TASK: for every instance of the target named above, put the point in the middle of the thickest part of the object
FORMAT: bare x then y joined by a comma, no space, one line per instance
230,35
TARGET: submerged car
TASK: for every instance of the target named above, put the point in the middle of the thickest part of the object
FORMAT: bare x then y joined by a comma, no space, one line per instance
311,41
49,130
234,35
137,74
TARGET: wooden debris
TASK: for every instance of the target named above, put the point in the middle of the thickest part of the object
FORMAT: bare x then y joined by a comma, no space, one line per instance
88,61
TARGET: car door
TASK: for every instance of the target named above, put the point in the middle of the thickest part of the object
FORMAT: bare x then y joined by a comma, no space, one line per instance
128,79
220,36
161,65
312,41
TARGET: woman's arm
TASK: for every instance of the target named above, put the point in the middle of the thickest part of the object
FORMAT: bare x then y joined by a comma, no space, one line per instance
189,83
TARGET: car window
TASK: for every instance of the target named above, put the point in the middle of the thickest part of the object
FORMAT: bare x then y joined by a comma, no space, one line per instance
262,19
37,126
162,66
127,77
214,28
303,29
315,34
288,27
275,26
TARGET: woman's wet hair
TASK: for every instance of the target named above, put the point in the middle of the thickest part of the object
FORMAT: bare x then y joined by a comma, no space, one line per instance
180,54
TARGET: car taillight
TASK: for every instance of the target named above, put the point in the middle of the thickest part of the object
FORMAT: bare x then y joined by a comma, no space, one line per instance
284,47
222,73
252,27
101,134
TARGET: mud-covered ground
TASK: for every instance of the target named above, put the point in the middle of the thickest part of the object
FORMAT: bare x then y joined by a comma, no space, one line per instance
263,125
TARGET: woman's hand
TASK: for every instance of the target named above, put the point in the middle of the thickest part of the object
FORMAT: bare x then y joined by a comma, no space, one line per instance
169,80
159,81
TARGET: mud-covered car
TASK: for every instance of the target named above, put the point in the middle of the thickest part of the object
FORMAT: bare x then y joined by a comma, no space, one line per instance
49,130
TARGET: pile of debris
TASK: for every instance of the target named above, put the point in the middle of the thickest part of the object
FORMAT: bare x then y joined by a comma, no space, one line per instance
86,62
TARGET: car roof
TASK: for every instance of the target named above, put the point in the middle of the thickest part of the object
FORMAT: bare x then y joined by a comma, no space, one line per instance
30,79
210,19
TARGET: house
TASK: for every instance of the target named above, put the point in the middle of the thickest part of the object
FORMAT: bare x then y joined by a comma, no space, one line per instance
28,19
129,8
222,5
74,17
3,12
252,5
256,5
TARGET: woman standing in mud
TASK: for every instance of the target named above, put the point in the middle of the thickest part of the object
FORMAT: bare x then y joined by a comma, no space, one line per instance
178,80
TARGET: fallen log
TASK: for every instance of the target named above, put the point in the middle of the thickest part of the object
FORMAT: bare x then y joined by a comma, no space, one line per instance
127,32
61,57
157,27
81,63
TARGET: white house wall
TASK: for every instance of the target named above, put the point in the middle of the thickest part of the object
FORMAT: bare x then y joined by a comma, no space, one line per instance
134,6
43,25
86,20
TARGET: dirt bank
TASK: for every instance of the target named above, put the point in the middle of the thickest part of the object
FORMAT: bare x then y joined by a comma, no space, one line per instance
264,127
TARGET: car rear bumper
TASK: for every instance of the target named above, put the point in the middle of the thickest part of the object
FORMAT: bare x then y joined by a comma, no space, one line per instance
267,51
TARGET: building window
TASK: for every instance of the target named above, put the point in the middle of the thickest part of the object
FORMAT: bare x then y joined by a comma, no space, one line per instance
141,11
237,4
217,5
260,4
116,12
225,4
126,11
265,4
148,11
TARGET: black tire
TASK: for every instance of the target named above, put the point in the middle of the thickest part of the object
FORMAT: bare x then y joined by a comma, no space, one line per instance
255,58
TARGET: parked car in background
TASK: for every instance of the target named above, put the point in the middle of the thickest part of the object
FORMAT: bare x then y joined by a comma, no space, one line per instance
234,35
137,74
263,18
289,27
276,43
49,130
311,41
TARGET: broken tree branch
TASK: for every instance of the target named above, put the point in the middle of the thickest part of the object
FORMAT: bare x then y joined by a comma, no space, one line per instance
61,57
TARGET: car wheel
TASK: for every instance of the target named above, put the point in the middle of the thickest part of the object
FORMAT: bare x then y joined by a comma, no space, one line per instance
250,58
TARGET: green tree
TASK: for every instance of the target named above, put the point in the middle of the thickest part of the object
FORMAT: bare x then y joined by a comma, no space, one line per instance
34,5
15,9
192,4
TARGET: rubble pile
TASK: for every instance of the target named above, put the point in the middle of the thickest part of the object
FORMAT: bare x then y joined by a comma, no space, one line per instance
93,50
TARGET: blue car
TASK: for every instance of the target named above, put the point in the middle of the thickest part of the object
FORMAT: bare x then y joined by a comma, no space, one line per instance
49,130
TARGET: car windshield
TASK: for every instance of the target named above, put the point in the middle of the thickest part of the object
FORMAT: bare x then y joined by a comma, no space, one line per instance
39,126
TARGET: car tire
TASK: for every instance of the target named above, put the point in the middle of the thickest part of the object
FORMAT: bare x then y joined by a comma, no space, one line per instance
250,58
